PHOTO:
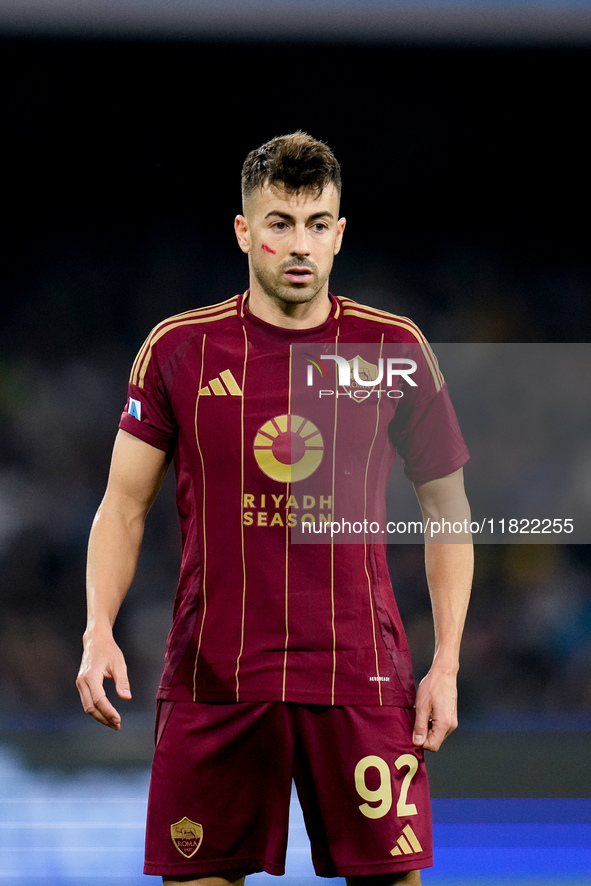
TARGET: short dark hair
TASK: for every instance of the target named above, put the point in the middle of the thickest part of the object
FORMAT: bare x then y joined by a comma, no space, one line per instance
295,162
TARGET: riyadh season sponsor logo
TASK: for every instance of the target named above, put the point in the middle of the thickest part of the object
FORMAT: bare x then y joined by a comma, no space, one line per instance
359,379
288,448
269,509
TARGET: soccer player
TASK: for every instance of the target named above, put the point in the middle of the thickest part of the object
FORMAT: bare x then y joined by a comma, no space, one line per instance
284,660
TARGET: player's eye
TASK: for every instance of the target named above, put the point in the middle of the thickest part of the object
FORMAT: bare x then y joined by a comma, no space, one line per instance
279,226
319,227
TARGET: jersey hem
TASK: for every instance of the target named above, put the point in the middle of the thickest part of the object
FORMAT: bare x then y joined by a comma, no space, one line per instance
248,865
327,700
387,867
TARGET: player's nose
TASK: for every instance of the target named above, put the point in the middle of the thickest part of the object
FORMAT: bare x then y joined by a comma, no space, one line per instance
300,244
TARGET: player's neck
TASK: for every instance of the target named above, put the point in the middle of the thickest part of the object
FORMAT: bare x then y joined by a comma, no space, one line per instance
303,315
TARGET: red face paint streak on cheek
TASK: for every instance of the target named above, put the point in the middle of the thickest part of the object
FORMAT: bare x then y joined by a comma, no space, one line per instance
268,249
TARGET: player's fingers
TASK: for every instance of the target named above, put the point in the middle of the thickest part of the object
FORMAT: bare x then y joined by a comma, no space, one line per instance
104,707
96,703
421,727
435,737
438,732
85,694
122,682
88,704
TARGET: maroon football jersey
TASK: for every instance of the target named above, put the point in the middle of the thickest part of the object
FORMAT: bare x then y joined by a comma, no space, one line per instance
256,616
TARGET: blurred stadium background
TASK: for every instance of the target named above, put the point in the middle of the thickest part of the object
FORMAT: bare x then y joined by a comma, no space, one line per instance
463,135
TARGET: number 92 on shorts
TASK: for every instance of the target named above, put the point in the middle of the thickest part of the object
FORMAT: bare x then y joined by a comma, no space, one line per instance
221,785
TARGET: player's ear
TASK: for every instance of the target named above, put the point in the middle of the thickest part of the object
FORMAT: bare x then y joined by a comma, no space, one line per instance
339,238
242,233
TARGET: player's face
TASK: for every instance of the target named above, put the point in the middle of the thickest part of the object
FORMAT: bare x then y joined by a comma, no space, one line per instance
291,241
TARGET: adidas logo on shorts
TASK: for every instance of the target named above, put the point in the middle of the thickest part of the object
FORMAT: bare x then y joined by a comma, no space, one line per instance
407,843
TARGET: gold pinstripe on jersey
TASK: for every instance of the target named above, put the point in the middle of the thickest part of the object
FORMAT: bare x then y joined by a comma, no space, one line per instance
365,552
333,504
243,552
287,538
204,581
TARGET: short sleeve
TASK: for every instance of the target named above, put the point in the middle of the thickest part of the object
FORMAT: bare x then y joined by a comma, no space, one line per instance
425,429
429,440
148,414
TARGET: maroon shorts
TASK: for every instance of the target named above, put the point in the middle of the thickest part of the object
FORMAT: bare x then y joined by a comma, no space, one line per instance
221,784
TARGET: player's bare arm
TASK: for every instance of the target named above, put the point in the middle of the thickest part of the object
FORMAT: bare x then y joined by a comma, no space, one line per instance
449,567
136,474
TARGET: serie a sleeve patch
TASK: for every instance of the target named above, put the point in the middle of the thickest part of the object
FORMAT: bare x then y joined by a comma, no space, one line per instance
135,409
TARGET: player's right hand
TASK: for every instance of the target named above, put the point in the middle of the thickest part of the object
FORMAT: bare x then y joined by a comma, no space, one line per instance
102,659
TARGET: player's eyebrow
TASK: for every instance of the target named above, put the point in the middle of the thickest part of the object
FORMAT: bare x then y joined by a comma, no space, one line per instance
287,217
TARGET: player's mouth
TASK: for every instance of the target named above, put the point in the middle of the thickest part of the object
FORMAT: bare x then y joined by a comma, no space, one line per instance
298,274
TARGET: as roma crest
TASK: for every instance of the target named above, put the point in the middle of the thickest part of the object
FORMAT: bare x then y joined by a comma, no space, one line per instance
186,836
365,372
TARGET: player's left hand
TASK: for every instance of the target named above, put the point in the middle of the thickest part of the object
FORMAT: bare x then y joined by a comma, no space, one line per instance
436,709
